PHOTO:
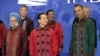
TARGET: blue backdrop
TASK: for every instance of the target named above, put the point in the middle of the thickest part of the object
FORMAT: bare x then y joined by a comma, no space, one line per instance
63,14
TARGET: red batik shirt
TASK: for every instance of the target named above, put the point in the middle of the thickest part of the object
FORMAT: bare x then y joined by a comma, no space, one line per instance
2,32
42,42
56,26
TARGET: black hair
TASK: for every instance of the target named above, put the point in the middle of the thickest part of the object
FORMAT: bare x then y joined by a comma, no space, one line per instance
39,15
24,6
78,5
1,22
49,11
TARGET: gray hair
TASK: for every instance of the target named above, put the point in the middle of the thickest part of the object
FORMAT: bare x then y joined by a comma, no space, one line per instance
87,7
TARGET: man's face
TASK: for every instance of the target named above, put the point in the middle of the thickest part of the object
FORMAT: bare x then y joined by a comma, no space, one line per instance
23,11
86,12
13,22
43,19
78,12
51,16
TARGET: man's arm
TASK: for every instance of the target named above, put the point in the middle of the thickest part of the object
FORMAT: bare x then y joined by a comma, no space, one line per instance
25,43
71,47
61,36
91,32
55,47
31,27
31,43
4,45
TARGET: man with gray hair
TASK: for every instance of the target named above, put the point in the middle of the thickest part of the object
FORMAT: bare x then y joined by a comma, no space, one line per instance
15,40
87,15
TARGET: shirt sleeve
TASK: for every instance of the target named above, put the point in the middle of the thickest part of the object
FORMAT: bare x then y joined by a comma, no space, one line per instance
25,43
91,32
71,46
31,43
55,49
4,45
60,35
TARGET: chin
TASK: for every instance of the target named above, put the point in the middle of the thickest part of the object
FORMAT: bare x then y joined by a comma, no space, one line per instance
23,15
45,24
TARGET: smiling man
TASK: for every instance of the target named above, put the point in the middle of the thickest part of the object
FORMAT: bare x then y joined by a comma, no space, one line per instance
42,40
83,34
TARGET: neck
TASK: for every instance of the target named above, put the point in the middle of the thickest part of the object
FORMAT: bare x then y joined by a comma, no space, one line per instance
87,17
22,17
50,21
81,18
13,28
42,26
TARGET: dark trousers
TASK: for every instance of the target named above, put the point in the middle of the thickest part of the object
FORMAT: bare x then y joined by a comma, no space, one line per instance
27,52
58,55
0,52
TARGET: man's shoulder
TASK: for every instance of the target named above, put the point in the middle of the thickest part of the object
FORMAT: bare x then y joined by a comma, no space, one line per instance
33,31
89,20
28,19
51,31
1,22
57,23
75,20
92,19
21,30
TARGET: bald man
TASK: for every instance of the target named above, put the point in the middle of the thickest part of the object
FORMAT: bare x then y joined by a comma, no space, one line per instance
87,15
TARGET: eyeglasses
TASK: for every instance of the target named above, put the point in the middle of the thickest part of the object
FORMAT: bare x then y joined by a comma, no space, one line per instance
13,20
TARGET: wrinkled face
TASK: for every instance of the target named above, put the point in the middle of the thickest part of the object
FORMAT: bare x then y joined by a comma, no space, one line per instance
23,11
13,22
78,12
86,12
51,16
43,19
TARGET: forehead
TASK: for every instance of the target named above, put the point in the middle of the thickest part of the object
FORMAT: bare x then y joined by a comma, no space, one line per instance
86,9
51,12
43,15
12,18
78,7
23,8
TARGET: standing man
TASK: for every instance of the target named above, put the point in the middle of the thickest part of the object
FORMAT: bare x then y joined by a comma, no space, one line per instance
26,23
87,15
42,40
15,40
83,34
2,32
57,29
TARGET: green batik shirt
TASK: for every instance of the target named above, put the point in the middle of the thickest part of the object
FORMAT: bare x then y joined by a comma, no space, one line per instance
83,38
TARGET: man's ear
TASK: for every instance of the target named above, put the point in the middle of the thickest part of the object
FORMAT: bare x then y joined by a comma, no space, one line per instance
39,20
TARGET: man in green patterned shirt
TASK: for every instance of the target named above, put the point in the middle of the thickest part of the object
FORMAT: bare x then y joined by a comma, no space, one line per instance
83,34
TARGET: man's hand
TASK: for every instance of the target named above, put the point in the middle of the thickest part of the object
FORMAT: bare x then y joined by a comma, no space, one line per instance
90,54
95,49
28,37
60,49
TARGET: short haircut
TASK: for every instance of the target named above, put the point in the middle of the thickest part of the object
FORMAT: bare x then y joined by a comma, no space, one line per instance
86,7
49,11
78,5
1,22
39,15
24,6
